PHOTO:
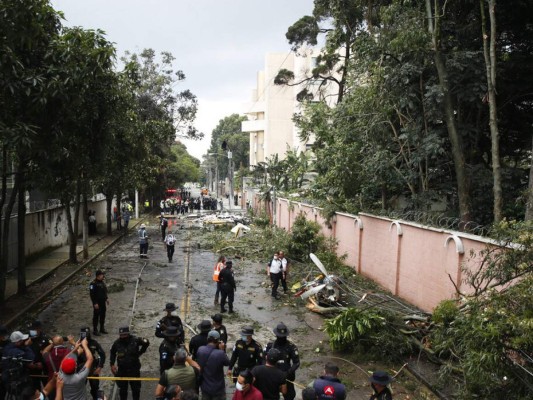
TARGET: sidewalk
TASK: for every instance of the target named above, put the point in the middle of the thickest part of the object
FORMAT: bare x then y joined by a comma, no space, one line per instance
47,264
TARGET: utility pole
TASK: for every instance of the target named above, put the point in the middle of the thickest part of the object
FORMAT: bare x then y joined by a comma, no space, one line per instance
230,168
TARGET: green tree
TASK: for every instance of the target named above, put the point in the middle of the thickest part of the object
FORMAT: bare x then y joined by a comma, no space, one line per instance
26,28
83,60
229,130
338,22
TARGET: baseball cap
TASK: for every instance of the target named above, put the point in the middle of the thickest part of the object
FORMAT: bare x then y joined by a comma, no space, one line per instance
17,336
213,335
217,317
68,365
124,330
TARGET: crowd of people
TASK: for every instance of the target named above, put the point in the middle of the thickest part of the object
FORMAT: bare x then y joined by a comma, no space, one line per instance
36,366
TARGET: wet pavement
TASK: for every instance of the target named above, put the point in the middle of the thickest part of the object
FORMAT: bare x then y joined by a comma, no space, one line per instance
187,281
140,288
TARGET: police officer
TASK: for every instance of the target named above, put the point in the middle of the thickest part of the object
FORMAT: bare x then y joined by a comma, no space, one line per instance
289,361
100,301
126,351
168,348
98,360
171,319
200,339
227,287
220,328
247,353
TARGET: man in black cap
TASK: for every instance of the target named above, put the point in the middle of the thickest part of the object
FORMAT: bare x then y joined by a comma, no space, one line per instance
289,360
168,348
269,380
379,381
171,319
98,360
100,301
126,351
247,353
212,360
221,329
227,287
200,339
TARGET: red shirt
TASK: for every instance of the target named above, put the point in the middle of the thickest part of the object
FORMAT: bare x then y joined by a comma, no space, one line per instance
252,394
53,359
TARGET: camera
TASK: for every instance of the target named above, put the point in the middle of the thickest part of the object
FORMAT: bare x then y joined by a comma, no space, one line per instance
83,335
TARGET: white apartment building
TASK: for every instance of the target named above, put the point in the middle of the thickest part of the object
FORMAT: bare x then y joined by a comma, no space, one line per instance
271,110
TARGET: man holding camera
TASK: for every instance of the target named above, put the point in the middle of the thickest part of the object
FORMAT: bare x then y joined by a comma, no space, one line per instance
75,382
98,360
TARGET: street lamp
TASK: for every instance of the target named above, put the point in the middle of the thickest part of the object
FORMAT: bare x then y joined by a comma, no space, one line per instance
229,155
230,172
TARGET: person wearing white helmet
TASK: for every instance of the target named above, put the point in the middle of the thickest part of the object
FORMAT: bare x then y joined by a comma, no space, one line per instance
143,241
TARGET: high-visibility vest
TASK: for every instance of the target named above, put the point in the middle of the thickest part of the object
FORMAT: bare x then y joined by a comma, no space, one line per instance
217,270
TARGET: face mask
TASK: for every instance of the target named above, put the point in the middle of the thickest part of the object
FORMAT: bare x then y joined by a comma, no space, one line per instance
239,387
33,333
244,338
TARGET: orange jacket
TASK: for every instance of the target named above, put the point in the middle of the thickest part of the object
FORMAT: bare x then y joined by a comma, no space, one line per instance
216,272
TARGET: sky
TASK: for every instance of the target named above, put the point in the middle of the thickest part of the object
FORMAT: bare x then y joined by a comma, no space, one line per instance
220,45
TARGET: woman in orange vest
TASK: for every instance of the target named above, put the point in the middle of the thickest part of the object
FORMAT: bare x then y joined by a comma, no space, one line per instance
218,267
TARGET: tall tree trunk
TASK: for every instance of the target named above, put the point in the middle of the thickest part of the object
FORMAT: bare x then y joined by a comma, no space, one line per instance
109,212
3,194
489,51
529,203
85,226
6,219
21,232
461,173
72,239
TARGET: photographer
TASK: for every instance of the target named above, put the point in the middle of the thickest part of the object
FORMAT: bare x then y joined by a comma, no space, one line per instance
74,382
17,360
98,363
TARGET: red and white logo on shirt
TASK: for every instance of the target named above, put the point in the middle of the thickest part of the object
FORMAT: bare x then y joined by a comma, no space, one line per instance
328,390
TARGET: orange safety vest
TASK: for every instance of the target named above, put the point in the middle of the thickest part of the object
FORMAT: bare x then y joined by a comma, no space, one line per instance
217,270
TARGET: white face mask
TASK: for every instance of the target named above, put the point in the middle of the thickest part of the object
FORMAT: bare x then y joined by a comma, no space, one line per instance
239,387
33,333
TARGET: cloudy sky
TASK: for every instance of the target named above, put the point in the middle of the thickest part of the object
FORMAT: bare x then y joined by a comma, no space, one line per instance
220,45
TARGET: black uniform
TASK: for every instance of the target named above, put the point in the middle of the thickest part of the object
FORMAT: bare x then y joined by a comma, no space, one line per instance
246,356
223,333
167,349
227,288
289,362
98,292
38,343
99,361
170,320
384,395
196,342
126,353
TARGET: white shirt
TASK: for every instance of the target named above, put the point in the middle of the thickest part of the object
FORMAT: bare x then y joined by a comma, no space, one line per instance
275,266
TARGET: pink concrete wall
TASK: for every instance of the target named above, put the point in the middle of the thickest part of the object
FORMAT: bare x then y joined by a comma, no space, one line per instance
412,261
347,238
